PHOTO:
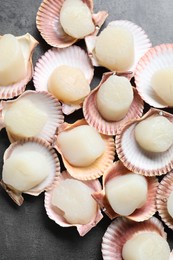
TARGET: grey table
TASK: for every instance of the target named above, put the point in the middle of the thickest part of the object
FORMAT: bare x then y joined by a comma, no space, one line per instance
26,233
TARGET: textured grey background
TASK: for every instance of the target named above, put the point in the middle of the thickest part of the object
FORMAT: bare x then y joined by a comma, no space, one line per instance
26,233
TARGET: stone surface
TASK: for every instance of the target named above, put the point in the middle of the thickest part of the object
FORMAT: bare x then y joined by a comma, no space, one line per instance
26,233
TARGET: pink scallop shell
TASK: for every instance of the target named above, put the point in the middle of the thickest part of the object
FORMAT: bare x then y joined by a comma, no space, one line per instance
93,117
121,230
96,169
141,41
58,218
48,24
156,58
8,92
145,212
44,147
136,159
73,56
44,100
164,190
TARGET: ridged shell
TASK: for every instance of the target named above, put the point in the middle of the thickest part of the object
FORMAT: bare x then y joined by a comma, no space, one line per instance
121,230
96,169
141,41
54,214
164,190
44,101
29,44
43,147
136,159
141,214
93,117
156,58
73,56
48,23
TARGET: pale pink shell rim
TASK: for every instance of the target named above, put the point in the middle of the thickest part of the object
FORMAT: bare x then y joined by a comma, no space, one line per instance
53,215
164,189
96,169
56,120
146,93
49,181
94,119
142,214
121,149
138,33
121,229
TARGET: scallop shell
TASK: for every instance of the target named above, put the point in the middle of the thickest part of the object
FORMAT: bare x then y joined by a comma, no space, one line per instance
93,117
43,147
44,101
141,41
141,214
156,58
48,23
121,230
96,169
28,44
164,190
73,56
58,218
136,159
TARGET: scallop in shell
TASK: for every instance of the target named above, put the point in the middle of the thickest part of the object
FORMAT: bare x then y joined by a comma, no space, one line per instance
138,40
30,166
139,160
95,119
20,49
32,114
49,24
71,58
164,199
120,194
122,230
153,76
96,155
71,209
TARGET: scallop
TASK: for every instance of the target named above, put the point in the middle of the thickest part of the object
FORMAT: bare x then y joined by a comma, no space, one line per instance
149,154
71,141
96,155
146,245
63,22
30,166
126,239
113,99
16,64
153,76
154,134
32,114
74,199
69,203
162,83
12,66
114,48
68,84
127,194
118,47
76,19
